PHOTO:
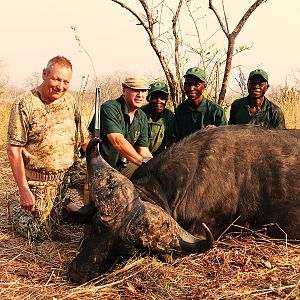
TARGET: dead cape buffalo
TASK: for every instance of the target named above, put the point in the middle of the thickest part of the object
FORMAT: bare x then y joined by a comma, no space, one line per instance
214,176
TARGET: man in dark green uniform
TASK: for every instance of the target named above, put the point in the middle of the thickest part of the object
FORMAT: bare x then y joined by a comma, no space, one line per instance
256,108
160,119
197,112
124,128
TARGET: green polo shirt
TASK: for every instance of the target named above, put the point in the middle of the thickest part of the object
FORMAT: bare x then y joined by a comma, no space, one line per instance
160,133
187,120
114,118
270,115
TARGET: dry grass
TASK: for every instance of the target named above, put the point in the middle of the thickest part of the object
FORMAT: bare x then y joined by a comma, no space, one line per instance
6,101
236,268
289,101
242,266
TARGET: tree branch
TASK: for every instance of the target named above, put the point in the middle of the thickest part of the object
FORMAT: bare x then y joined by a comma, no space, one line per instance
231,41
222,25
245,17
133,13
150,31
176,42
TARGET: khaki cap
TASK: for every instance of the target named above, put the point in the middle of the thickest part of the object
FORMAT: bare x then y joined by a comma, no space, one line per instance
136,83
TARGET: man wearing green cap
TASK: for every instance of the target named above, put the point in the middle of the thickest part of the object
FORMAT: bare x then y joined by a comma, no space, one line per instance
124,128
160,119
256,108
197,112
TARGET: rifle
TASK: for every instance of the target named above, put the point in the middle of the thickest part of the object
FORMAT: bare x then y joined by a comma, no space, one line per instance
97,112
86,192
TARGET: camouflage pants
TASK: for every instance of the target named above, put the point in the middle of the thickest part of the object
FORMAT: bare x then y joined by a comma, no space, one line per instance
49,197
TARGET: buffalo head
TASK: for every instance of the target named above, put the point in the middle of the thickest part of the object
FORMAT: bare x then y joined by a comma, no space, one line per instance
123,223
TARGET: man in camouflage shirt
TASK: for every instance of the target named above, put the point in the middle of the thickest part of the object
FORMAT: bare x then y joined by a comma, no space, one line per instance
197,112
256,108
160,119
45,133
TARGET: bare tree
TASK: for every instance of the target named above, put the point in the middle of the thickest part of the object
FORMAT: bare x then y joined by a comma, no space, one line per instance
295,78
231,39
151,20
34,80
3,74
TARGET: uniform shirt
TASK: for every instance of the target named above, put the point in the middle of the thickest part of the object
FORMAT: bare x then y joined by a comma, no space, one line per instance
187,120
114,118
50,134
270,115
160,132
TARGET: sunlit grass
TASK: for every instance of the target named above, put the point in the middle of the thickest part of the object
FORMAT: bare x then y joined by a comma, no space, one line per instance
6,101
289,101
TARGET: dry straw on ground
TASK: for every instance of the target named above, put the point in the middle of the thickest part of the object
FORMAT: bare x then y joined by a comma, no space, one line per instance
236,268
243,266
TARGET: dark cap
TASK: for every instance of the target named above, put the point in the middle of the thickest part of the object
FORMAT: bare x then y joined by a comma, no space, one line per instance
259,72
158,86
195,71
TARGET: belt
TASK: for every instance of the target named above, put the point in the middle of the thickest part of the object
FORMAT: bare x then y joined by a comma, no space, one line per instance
45,175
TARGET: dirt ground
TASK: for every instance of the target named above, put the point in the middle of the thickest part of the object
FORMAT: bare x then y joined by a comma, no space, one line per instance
241,266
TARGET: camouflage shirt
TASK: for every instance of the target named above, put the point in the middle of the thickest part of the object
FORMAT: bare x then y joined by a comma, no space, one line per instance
50,134
160,132
270,115
188,120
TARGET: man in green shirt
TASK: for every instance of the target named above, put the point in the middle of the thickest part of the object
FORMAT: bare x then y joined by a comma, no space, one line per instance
256,108
124,128
160,119
197,112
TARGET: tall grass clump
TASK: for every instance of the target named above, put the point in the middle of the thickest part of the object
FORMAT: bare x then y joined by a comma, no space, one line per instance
6,100
289,101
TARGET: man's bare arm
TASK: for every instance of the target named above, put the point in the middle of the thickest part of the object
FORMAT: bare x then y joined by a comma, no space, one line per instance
121,145
14,153
145,152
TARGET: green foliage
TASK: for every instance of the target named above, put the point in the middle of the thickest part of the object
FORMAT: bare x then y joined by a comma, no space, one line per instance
242,48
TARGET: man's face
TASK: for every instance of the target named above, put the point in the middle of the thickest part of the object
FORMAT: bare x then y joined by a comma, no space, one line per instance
193,87
56,82
257,87
157,101
134,98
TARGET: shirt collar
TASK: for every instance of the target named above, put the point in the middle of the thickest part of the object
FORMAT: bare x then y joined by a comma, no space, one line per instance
200,108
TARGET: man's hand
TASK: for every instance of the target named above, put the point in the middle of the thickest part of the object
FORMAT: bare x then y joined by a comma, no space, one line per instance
145,160
27,200
210,126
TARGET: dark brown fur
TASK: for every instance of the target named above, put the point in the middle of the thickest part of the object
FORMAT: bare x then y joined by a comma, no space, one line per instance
218,175
122,223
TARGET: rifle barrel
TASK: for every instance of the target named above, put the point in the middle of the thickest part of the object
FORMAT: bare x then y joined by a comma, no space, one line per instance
97,112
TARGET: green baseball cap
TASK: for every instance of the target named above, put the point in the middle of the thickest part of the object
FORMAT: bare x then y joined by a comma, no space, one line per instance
158,86
195,71
260,72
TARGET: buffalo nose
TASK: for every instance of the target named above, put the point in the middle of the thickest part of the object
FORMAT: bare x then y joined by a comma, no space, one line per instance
74,276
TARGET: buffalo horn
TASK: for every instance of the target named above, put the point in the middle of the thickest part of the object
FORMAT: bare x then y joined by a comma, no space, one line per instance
151,227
